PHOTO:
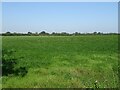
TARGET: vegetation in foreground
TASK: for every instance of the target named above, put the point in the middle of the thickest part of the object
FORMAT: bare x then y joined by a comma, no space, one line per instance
89,61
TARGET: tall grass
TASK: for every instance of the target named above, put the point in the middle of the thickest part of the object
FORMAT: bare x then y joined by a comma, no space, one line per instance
65,61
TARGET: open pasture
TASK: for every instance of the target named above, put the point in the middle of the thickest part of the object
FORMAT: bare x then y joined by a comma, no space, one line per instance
64,61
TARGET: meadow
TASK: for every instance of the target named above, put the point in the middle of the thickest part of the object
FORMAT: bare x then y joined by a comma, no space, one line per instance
64,61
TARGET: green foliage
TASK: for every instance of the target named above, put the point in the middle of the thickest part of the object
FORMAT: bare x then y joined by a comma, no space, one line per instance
43,33
8,64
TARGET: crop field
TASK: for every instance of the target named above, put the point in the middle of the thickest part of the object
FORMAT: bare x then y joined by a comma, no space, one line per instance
85,61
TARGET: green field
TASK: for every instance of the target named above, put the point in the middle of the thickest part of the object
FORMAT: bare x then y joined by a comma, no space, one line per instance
64,61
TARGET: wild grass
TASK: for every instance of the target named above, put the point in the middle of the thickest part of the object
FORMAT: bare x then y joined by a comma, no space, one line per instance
0,62
64,61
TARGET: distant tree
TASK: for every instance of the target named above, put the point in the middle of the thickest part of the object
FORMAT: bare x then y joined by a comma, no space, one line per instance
53,33
29,33
43,32
99,33
94,32
36,33
64,34
16,34
8,34
77,33
56,34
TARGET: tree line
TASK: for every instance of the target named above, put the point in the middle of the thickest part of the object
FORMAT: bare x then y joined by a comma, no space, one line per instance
43,33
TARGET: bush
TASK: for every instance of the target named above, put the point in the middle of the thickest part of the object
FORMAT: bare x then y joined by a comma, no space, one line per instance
9,63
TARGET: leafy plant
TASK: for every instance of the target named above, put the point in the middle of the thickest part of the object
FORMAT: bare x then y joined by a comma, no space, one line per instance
8,64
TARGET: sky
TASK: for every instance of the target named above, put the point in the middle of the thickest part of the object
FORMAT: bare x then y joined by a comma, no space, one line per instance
0,17
68,17
60,0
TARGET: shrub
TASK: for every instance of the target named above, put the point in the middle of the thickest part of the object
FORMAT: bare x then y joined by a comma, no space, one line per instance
9,63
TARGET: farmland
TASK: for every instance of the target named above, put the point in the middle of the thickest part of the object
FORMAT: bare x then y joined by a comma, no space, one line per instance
64,61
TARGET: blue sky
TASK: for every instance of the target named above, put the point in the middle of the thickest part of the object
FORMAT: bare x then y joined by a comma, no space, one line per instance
0,17
60,16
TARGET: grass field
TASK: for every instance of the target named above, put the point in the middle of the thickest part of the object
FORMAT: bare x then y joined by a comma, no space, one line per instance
64,61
